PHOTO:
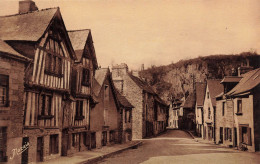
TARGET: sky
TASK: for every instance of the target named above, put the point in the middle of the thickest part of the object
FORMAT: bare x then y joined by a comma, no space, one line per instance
159,32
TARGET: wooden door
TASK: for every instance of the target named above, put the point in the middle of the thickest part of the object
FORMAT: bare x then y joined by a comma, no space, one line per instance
65,142
221,134
25,153
235,136
39,157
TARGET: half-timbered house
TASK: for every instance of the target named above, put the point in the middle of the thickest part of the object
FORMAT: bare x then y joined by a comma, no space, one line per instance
76,134
41,36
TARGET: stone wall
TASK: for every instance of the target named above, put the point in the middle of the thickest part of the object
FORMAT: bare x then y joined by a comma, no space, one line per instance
11,116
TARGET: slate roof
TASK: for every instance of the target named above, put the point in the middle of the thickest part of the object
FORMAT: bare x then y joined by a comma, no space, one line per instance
200,93
78,38
231,79
142,84
190,101
100,76
6,49
26,27
215,88
249,81
123,101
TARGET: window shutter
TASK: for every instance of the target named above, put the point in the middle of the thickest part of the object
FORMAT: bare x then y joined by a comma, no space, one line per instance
230,134
249,136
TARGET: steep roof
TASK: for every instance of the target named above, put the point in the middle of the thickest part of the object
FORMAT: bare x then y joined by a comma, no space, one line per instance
26,27
142,84
231,79
6,49
249,81
78,38
123,101
100,76
200,93
215,88
190,101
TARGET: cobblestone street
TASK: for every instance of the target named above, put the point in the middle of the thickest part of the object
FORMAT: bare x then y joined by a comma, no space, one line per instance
176,146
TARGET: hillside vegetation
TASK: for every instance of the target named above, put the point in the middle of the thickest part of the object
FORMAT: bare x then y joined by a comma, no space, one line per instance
178,79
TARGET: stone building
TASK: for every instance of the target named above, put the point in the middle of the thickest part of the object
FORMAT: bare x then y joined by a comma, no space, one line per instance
76,124
105,117
200,96
213,89
174,113
41,36
224,113
246,98
160,115
125,125
12,66
142,97
240,102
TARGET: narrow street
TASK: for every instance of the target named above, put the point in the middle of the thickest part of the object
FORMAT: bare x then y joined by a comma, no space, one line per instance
176,146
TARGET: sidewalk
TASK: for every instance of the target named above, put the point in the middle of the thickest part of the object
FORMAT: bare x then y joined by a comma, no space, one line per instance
94,155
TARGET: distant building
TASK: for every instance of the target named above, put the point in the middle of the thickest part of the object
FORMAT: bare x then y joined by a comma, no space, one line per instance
174,113
142,96
187,113
213,89
200,96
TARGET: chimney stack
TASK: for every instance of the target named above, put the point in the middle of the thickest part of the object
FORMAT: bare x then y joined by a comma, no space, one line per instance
26,6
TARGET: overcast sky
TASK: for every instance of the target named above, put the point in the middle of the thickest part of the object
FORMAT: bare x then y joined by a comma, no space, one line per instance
159,32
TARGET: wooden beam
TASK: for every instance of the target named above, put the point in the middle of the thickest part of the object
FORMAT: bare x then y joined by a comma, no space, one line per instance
35,64
28,110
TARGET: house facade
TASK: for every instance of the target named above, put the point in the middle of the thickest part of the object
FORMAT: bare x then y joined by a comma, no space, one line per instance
105,117
213,89
12,66
174,112
242,94
200,96
187,113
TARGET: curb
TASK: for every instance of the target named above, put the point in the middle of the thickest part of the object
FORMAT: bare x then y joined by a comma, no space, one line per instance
190,134
100,157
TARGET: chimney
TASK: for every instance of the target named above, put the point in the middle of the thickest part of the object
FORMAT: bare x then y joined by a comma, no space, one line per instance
26,6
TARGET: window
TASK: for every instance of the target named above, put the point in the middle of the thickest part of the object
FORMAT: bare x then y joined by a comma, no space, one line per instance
54,144
79,110
53,65
126,111
239,106
45,106
104,138
106,94
4,83
3,146
208,113
208,95
85,77
130,115
75,139
223,108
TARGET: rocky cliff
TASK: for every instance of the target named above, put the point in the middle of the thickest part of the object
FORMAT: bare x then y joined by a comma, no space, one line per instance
178,79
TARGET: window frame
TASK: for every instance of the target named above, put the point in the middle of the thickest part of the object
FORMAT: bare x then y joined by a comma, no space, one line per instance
223,108
45,110
239,106
5,85
85,77
79,110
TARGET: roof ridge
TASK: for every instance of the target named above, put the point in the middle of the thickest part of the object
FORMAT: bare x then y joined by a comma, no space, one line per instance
3,16
79,30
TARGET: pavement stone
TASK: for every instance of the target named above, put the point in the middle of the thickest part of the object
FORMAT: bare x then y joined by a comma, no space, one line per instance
94,155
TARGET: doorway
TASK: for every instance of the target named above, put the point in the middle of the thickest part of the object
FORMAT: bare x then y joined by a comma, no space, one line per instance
25,153
39,157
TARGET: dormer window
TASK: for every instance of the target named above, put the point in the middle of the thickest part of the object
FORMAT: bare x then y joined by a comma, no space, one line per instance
85,77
